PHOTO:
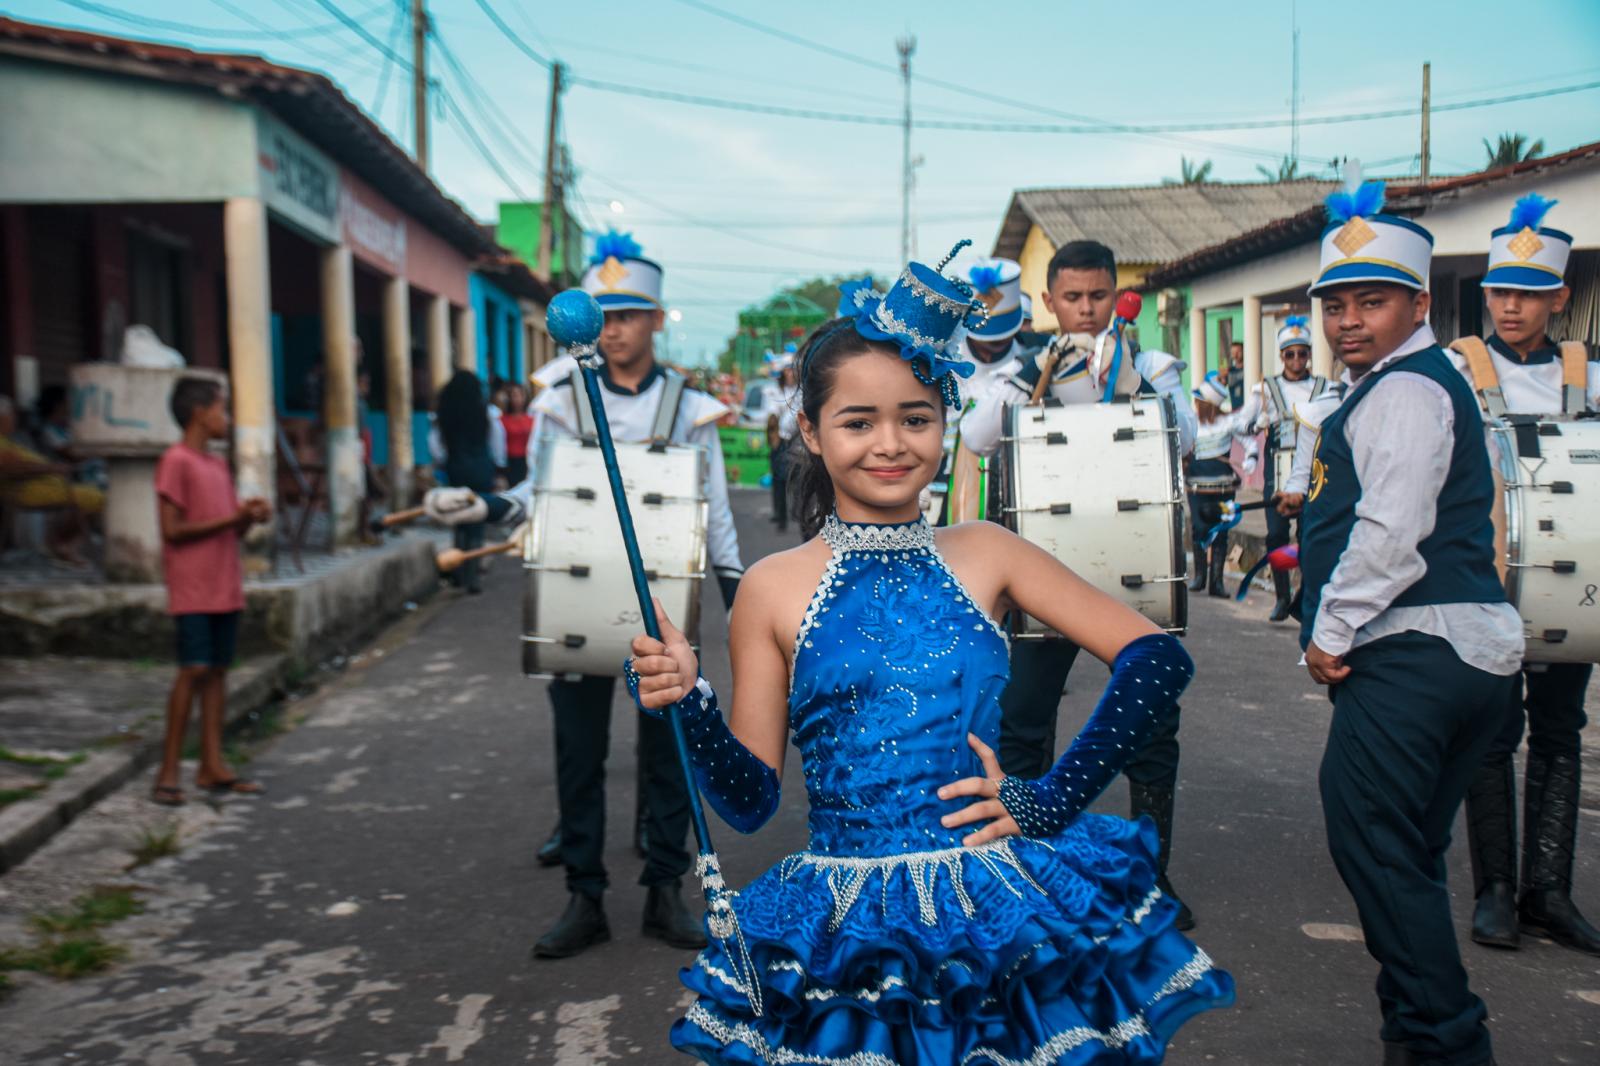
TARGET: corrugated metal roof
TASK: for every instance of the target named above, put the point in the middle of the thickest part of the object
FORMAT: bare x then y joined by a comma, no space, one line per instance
1154,223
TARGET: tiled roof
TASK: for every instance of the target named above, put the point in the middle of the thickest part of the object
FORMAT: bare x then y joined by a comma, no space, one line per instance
306,100
1154,223
1409,197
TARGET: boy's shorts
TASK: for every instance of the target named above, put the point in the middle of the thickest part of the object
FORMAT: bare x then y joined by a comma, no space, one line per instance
207,639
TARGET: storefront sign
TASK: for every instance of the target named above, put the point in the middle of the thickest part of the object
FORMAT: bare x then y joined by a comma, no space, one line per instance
298,183
375,231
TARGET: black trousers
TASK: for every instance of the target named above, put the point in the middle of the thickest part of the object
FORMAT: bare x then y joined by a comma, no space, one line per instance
1205,511
467,537
1410,726
1278,527
1551,707
583,738
780,485
1028,707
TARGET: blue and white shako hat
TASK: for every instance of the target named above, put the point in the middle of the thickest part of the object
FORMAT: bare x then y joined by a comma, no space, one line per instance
1211,391
1526,255
998,283
619,277
921,314
1295,332
1361,244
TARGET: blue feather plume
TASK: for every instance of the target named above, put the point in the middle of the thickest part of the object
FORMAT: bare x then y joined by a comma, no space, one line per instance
1364,202
612,244
1297,320
984,277
1529,212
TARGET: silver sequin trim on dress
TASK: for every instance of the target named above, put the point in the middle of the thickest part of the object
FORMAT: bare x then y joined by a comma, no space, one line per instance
848,537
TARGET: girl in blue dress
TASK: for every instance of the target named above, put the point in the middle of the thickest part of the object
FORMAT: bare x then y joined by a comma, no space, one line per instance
942,912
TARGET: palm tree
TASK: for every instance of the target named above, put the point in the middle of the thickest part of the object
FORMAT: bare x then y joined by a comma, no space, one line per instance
1288,170
1508,150
1193,174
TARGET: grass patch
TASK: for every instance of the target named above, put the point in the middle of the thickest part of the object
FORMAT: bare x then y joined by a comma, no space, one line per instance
103,906
65,957
9,796
153,844
47,763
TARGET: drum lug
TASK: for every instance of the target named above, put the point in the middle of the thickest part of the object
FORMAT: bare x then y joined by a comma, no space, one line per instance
1060,508
1132,581
573,641
1554,636
1564,566
1547,525
1127,505
1055,438
652,499
1561,488
1123,433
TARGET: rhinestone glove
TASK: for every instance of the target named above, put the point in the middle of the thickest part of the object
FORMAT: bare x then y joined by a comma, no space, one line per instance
740,787
1146,680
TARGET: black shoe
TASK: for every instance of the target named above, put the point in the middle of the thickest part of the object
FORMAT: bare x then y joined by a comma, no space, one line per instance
1185,919
1198,581
1492,846
550,850
1280,607
1494,919
582,926
1551,805
1219,561
667,919
1400,1055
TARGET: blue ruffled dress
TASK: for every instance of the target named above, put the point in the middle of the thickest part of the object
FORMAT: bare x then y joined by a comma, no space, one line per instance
886,942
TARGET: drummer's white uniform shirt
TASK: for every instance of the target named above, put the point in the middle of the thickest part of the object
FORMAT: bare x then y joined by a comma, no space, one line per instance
1529,388
984,422
631,416
1260,409
1309,417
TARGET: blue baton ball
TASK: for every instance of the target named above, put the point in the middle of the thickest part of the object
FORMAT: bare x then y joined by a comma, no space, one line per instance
574,319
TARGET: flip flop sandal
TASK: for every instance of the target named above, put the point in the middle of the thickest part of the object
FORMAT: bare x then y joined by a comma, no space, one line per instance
236,785
168,796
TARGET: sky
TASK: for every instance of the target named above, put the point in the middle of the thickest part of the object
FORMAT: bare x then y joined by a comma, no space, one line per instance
736,204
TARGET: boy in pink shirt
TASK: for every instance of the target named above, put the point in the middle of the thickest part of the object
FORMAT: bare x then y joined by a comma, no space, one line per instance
201,520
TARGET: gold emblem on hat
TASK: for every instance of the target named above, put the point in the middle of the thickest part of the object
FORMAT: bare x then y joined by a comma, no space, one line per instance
1354,236
992,298
612,271
1525,244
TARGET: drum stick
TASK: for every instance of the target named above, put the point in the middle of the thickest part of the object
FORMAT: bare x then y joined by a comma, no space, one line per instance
397,518
451,558
1051,356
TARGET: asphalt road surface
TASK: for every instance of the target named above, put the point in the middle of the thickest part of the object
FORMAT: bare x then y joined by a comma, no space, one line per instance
378,904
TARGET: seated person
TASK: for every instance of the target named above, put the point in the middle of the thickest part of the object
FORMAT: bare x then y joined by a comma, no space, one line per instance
30,482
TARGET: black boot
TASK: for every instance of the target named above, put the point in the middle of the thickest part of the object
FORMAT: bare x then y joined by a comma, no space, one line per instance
1492,844
1197,581
1280,586
550,850
582,926
1156,801
666,918
1219,559
1551,816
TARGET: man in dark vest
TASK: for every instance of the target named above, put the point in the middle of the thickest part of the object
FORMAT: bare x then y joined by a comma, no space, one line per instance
1404,618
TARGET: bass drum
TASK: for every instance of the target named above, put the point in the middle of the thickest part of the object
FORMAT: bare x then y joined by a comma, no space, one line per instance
1547,541
1099,486
1282,467
580,613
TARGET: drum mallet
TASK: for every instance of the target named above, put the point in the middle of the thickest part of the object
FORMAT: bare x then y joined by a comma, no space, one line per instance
574,321
395,519
452,558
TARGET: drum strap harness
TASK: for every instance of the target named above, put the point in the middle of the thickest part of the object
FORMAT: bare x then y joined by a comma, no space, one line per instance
1480,363
673,384
1283,421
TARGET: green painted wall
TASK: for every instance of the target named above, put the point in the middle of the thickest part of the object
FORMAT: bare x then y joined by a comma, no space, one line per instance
1154,336
76,136
518,229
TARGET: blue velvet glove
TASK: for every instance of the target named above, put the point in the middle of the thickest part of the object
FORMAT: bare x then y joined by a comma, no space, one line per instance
1146,681
740,787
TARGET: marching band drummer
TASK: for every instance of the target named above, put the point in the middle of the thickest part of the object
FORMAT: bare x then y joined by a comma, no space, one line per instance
1404,618
1081,292
642,402
1270,406
1521,371
1210,478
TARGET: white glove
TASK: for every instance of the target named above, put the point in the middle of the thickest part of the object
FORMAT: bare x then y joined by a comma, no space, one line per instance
1249,465
455,506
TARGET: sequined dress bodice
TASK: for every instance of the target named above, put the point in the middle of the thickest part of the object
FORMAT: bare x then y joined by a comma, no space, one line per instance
894,665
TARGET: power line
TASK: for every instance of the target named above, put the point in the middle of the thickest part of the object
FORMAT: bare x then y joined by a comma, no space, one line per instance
498,123
511,35
361,31
383,78
482,149
267,33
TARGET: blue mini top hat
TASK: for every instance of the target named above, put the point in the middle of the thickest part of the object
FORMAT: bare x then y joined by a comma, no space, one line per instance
619,277
1361,244
1295,332
921,314
1526,255
998,283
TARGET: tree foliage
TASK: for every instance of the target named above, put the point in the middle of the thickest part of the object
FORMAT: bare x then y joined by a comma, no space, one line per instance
1511,148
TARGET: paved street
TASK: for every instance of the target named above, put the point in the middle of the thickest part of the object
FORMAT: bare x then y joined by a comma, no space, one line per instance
377,905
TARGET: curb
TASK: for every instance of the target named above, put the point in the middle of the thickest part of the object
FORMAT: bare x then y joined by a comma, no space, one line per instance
28,825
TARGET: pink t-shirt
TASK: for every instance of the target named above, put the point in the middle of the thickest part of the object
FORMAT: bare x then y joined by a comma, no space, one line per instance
203,576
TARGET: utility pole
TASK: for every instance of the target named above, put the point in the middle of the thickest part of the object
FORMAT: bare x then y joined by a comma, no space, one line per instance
551,165
905,46
419,80
1426,96
1294,90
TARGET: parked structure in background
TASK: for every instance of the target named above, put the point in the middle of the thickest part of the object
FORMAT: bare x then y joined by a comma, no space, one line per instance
1147,227
1261,276
300,247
